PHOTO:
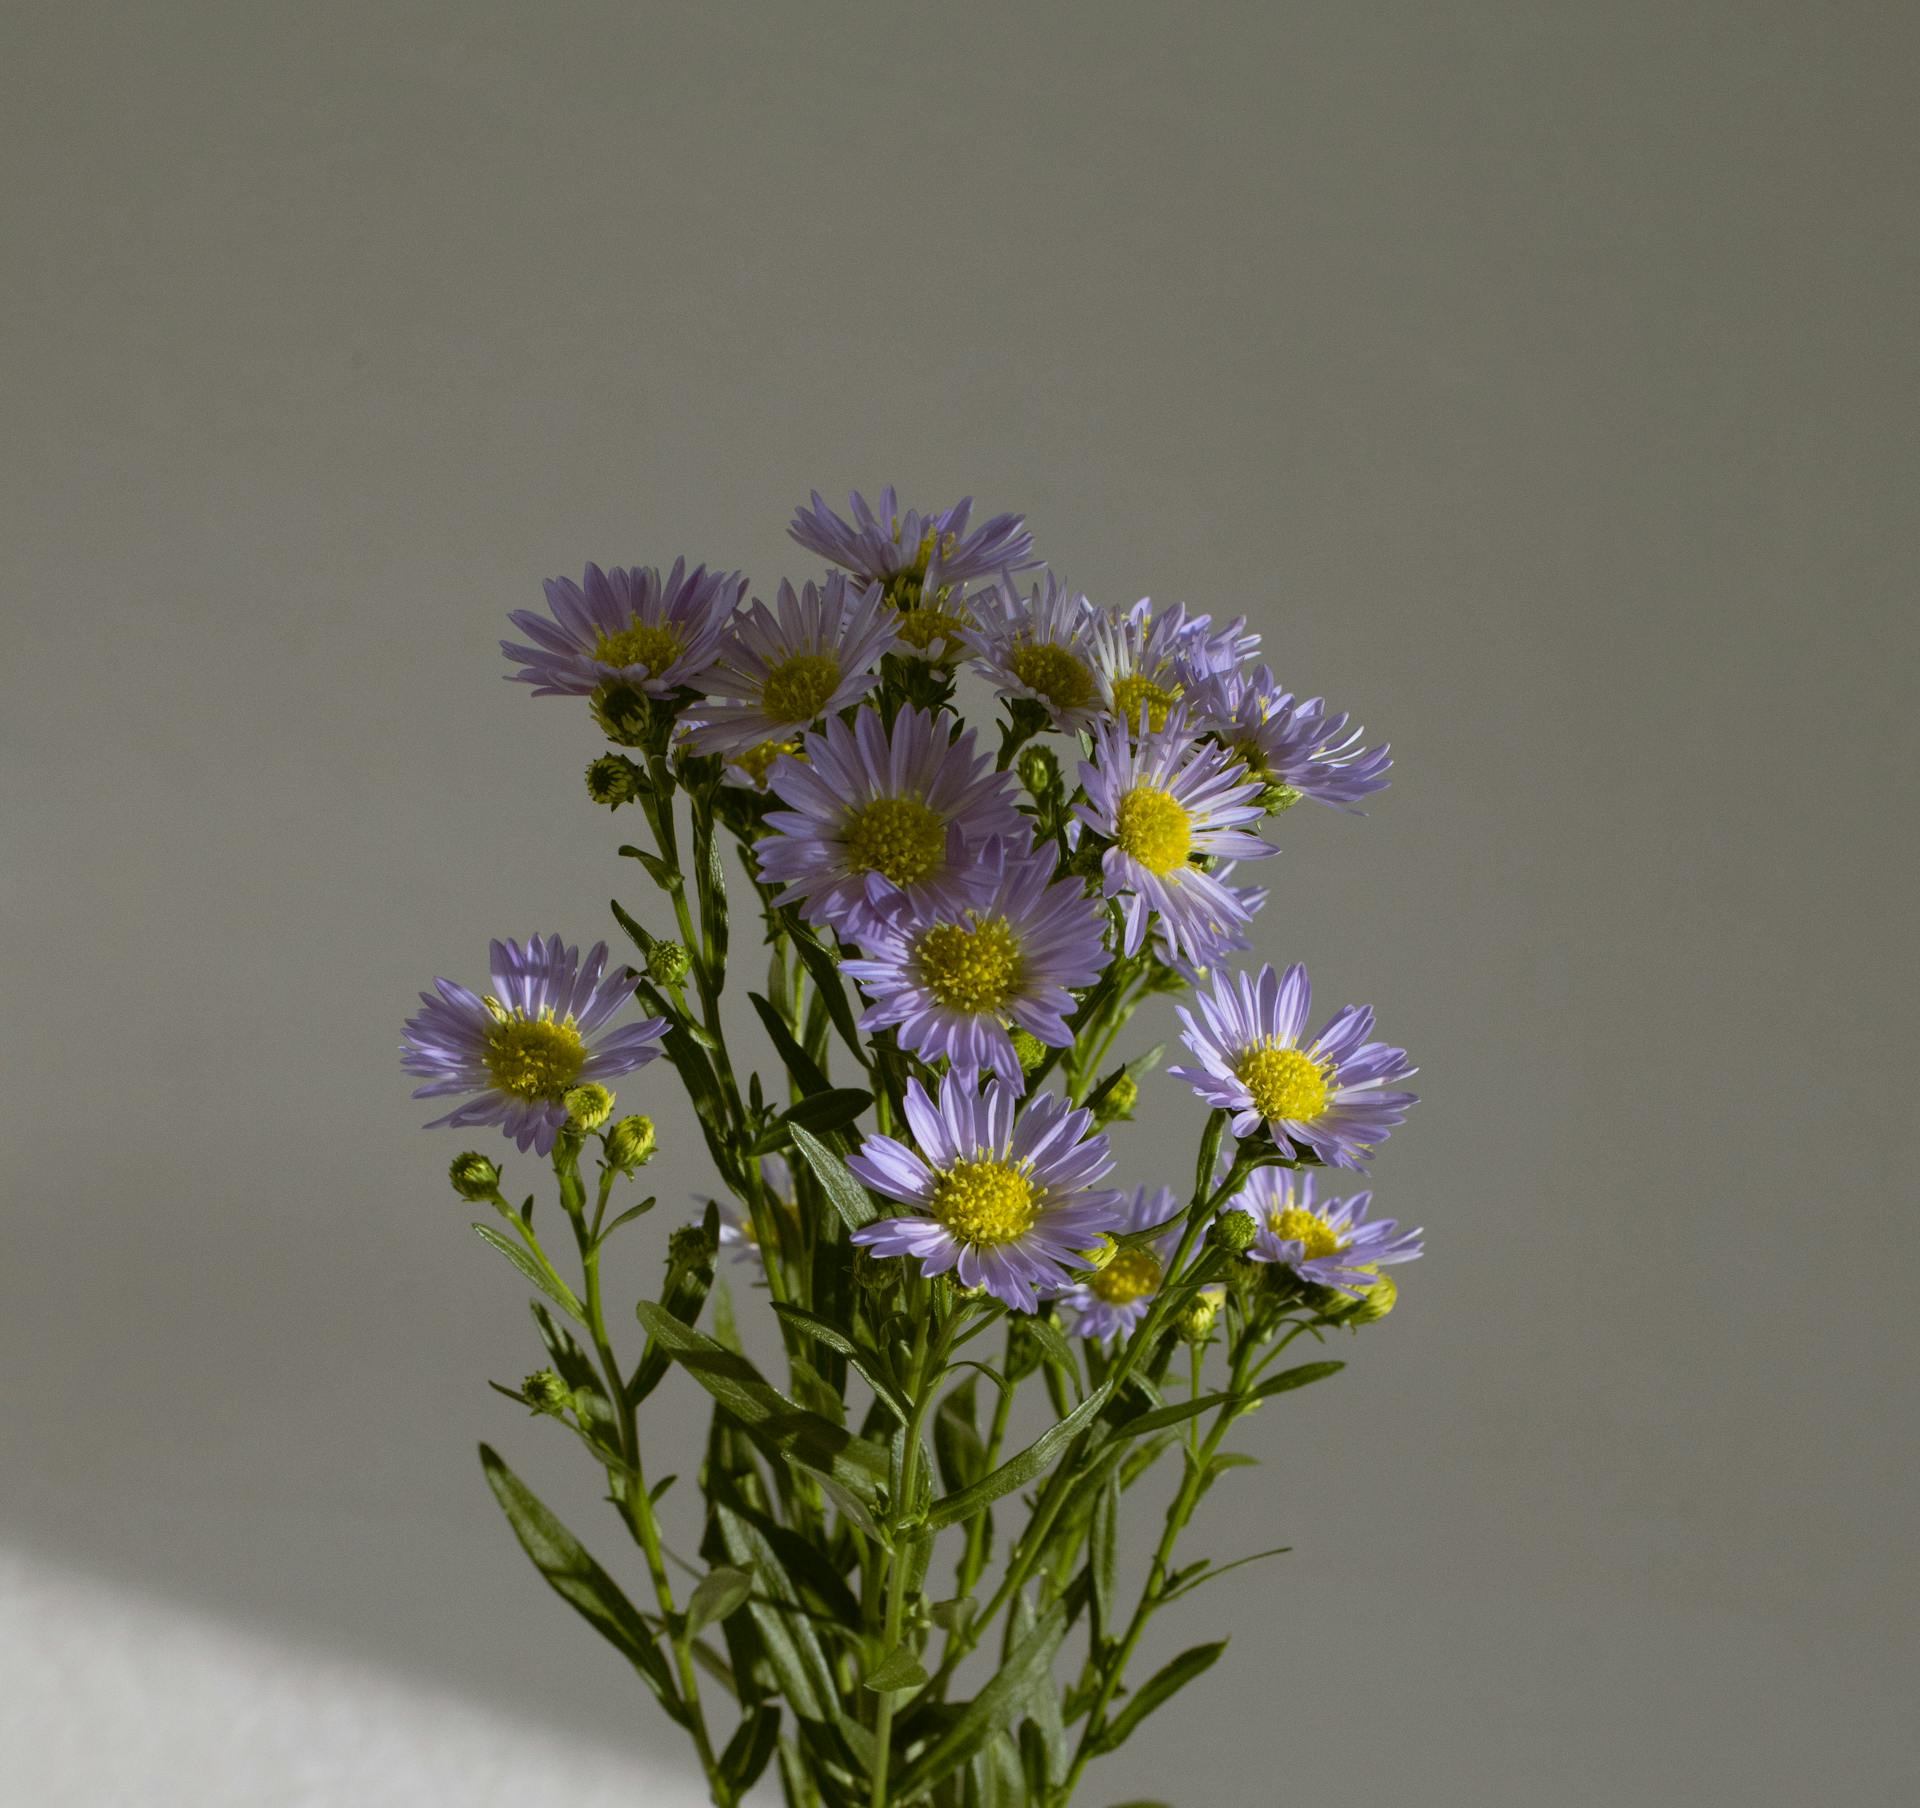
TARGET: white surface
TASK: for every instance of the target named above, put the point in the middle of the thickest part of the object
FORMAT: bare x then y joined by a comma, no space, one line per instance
113,1700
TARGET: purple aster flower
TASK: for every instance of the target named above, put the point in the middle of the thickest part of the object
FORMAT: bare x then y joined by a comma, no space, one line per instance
1289,742
921,560
1111,1301
780,670
913,555
1332,1244
874,813
1216,941
952,978
1039,647
1164,803
520,1048
1005,1205
1145,659
1324,1095
625,626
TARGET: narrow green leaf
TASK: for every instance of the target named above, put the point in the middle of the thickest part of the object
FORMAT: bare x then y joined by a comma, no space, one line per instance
989,1711
829,1110
1016,1470
750,1748
718,1593
1053,1347
668,878
1102,1554
848,1197
1288,1379
641,939
898,1670
579,1581
867,1361
542,1277
768,1414
793,1649
825,974
1158,1689
806,1075
1279,1550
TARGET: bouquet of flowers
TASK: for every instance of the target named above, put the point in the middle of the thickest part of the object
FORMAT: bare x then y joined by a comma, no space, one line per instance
907,1587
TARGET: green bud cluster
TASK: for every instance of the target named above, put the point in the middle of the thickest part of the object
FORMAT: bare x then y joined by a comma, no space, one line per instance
625,714
613,780
1117,1102
545,1392
1028,1050
1232,1231
667,963
474,1177
588,1106
630,1143
1199,1315
690,1246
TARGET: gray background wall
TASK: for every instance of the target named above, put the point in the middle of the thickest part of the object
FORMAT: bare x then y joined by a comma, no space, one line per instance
1539,378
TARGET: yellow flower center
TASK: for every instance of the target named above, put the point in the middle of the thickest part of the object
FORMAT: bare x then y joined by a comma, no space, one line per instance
1284,1082
975,969
656,648
1154,828
1053,673
1316,1237
1131,1275
534,1057
931,632
756,760
984,1202
798,689
897,837
1137,699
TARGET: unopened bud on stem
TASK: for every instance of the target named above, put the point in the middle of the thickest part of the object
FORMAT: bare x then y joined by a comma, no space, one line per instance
474,1177
629,1143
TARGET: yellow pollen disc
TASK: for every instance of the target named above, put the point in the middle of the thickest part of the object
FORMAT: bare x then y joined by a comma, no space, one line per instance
975,969
929,631
898,838
1284,1082
798,689
1131,1275
535,1057
756,760
656,648
1053,673
984,1202
1154,828
1316,1237
1136,697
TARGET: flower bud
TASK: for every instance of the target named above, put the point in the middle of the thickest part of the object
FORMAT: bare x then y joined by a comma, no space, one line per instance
1233,1231
613,780
1277,797
691,1247
667,963
630,1143
1039,771
545,1392
878,1274
474,1177
1376,1302
625,715
1118,1101
588,1106
1196,1321
1100,1254
1028,1050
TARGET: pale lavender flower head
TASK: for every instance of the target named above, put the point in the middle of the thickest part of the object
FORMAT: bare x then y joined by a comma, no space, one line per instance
625,627
1109,1303
874,814
954,978
1289,741
1221,940
520,1048
1332,1243
780,670
1324,1095
911,554
1164,803
1038,646
1007,1205
1146,659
